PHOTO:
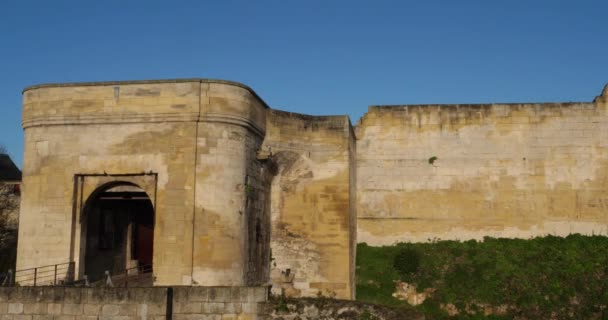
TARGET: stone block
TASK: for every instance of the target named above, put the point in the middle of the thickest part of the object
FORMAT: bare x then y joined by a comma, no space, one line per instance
181,294
72,309
128,309
233,307
214,294
187,307
243,294
54,294
35,308
115,318
90,309
260,294
54,308
213,307
250,307
15,308
198,294
110,310
244,316
93,295
4,293
152,309
115,295
72,295
152,295
22,294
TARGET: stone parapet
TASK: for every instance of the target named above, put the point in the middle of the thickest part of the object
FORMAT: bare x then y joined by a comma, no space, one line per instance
133,303
113,102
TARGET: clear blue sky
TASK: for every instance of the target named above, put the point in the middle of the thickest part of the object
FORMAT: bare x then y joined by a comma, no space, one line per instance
315,57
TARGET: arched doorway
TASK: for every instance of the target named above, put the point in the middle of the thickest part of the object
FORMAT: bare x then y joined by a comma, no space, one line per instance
117,231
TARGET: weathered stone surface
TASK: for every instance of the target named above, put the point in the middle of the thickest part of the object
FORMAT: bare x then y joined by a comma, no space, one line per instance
469,171
186,143
15,308
312,213
138,303
231,180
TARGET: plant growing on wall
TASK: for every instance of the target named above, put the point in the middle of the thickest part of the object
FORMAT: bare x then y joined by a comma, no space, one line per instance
432,160
249,191
8,228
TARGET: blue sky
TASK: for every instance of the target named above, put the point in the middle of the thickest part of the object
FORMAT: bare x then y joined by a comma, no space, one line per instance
315,57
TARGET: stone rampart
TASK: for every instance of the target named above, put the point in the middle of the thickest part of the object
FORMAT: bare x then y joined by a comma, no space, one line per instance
312,217
468,171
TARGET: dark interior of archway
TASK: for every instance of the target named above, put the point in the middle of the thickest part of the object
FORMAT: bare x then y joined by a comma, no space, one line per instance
119,233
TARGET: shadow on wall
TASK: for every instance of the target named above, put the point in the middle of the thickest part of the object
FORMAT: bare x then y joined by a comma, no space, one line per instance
9,217
10,181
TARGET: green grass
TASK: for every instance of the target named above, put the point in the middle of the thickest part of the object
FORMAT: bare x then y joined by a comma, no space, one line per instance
539,278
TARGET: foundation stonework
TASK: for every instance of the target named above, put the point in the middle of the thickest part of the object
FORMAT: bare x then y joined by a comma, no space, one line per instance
236,303
246,195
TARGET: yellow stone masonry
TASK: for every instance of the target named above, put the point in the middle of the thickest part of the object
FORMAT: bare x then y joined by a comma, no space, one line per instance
467,171
245,195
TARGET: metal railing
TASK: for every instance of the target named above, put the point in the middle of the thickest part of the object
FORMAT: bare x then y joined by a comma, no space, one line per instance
136,276
132,276
63,275
51,275
6,278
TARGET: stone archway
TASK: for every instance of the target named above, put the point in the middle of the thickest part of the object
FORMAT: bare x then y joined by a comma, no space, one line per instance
117,230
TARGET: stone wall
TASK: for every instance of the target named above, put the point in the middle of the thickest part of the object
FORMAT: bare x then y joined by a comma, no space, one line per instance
244,195
312,214
31,303
469,171
185,142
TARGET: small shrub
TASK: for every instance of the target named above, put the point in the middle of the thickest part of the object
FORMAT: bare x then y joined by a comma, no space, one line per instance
406,262
280,305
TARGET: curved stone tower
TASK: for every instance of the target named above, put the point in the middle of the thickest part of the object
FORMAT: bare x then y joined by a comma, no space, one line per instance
162,172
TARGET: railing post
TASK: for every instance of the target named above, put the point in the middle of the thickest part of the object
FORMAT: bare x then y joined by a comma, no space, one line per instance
35,275
8,280
71,271
108,279
55,277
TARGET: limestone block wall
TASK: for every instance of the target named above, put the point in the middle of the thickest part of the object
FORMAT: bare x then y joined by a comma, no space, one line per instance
468,171
29,303
194,135
228,138
312,214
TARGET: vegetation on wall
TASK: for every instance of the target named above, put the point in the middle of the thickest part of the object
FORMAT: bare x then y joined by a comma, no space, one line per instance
8,227
541,278
328,308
